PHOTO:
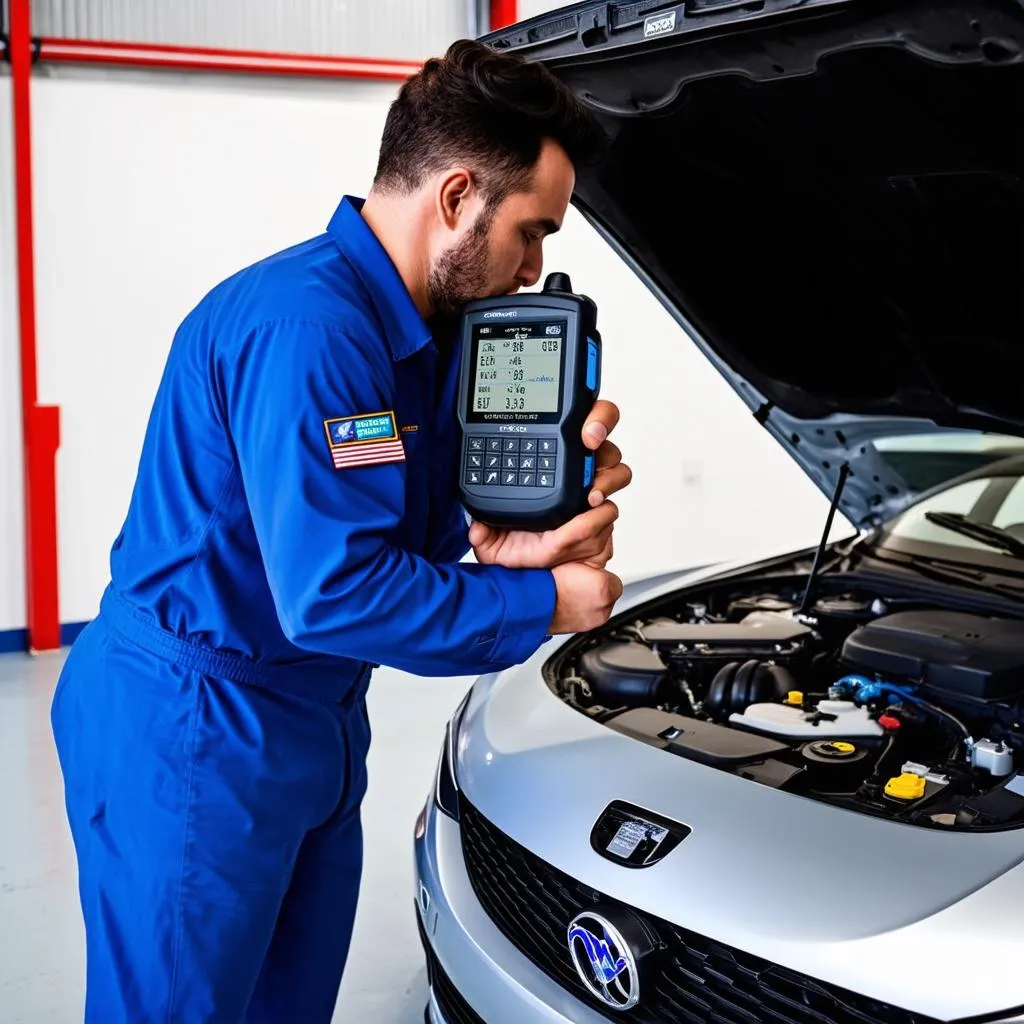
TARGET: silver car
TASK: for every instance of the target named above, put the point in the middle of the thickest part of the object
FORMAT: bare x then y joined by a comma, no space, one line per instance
789,792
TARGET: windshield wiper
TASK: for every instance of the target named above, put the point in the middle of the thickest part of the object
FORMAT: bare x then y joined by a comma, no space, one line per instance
984,533
944,572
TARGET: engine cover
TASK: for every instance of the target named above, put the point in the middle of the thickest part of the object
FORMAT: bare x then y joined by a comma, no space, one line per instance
624,673
715,745
964,654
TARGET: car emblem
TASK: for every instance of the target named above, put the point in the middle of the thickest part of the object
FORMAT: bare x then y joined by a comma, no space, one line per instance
604,961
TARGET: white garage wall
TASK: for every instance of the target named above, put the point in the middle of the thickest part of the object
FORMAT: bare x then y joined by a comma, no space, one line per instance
531,8
12,515
150,189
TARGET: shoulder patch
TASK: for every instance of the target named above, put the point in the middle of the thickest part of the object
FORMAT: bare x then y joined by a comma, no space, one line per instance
364,440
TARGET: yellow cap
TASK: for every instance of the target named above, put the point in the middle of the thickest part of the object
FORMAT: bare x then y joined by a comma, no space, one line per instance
794,697
842,747
905,787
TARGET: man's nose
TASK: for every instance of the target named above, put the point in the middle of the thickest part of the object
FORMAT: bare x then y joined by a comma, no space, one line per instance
529,272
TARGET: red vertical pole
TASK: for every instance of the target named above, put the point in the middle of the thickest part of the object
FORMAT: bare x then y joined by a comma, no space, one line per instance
40,423
503,13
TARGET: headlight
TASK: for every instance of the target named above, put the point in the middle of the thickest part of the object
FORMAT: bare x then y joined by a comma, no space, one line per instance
446,789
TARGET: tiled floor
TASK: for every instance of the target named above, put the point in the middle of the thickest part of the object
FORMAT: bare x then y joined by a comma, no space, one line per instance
41,945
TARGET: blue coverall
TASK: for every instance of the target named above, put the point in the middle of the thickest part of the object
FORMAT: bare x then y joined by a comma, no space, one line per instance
211,722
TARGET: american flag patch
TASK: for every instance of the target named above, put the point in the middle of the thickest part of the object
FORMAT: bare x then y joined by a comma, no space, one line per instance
365,440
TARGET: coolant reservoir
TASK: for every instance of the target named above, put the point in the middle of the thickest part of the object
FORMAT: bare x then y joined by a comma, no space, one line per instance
994,757
796,724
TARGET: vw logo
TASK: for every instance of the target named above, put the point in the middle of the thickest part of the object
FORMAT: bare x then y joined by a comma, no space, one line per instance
604,961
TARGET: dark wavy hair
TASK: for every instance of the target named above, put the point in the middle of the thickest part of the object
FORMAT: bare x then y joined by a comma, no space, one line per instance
488,110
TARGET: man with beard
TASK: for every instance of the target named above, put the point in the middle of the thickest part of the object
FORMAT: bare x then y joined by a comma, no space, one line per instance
294,524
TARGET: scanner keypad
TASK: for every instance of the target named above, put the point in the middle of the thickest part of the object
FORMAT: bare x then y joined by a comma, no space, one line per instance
511,461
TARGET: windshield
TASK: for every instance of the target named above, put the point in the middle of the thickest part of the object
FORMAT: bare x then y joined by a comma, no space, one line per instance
927,460
939,525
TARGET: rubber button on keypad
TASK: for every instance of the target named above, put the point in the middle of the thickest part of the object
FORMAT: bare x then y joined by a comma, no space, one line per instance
512,461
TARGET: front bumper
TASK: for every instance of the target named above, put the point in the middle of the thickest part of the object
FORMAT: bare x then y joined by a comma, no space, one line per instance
476,974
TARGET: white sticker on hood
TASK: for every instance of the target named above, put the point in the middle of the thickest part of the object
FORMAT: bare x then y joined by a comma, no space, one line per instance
659,24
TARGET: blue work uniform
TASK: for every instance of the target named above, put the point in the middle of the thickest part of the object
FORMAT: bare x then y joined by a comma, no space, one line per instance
294,522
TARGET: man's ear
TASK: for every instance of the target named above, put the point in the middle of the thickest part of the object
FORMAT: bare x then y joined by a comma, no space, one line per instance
454,193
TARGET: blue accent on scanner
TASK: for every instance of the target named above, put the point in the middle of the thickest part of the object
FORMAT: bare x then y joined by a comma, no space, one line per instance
588,470
591,364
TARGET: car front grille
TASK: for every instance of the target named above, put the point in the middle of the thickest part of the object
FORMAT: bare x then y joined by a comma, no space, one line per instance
692,979
450,1002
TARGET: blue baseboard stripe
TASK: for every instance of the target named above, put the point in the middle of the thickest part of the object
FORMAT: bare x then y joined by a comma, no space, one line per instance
69,632
15,641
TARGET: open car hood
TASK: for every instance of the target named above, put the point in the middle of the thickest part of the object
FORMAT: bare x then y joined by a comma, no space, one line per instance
827,196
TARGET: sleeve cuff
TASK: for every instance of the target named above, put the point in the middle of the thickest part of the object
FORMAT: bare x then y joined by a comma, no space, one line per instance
529,608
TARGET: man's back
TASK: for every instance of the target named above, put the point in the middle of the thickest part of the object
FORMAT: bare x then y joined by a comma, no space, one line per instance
189,555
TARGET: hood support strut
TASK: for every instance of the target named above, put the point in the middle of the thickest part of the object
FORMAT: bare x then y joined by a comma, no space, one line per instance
844,472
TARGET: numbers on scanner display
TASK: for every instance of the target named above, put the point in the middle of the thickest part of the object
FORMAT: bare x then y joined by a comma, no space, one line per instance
525,361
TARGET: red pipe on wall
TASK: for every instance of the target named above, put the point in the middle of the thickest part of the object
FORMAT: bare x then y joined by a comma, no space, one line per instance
40,423
503,13
150,55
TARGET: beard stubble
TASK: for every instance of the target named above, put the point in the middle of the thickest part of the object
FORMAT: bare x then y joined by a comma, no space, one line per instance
460,274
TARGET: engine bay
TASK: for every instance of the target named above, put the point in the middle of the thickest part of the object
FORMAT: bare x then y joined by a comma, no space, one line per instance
905,708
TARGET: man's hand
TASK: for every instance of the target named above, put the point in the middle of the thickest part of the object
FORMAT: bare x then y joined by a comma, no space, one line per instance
585,598
612,473
588,537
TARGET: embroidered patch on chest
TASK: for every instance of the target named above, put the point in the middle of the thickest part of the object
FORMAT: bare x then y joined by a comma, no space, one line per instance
364,440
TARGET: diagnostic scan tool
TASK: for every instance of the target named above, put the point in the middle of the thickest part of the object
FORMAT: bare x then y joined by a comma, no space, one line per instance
530,372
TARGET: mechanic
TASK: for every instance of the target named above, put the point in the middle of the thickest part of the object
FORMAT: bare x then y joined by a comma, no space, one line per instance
294,524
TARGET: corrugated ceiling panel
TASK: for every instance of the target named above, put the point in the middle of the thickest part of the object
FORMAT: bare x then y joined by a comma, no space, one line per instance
404,29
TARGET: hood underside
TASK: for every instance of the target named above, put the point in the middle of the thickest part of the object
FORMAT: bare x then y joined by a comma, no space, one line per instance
828,197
